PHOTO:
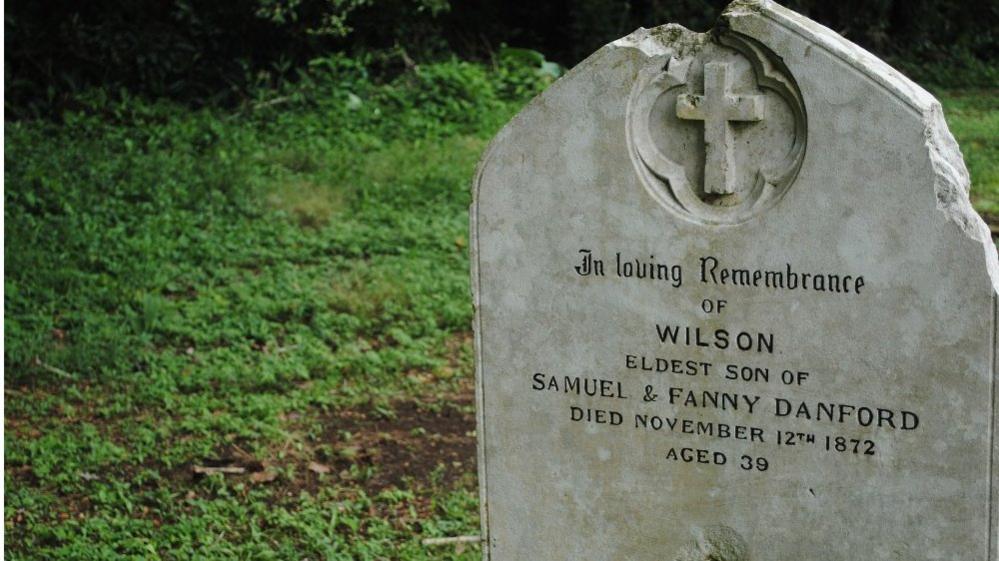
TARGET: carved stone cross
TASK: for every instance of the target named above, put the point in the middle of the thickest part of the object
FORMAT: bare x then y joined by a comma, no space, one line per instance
717,108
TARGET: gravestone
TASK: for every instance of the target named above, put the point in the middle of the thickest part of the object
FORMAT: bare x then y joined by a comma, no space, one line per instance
733,303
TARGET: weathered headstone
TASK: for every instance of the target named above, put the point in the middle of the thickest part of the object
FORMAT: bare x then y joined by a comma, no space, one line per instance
733,303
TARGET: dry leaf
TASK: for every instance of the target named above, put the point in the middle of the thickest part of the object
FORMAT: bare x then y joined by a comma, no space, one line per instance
265,476
318,467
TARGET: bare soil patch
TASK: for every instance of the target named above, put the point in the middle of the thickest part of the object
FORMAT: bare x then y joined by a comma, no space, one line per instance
413,445
420,446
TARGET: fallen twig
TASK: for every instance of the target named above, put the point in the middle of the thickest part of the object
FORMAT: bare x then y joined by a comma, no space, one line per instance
208,470
52,369
451,540
271,102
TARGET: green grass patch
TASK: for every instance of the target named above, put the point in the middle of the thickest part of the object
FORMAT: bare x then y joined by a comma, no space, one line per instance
197,288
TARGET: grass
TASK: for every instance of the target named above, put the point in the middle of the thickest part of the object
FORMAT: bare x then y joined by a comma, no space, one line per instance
281,290
191,289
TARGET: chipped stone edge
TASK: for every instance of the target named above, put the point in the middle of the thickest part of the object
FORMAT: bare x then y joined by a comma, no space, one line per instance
642,40
952,185
653,42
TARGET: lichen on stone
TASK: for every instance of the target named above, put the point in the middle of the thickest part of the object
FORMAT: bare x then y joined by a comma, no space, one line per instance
716,543
746,7
665,39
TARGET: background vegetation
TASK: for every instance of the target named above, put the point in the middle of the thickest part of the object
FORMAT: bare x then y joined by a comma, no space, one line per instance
206,53
236,304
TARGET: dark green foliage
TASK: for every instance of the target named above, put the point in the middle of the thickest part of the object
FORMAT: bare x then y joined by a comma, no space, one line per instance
133,186
217,52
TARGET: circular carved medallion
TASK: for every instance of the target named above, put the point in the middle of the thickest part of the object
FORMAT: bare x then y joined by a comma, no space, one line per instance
716,128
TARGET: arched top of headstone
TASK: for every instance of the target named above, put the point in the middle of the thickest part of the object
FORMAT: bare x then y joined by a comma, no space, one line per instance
718,128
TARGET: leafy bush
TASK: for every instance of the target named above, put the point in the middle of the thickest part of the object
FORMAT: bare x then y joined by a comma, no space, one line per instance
950,68
212,53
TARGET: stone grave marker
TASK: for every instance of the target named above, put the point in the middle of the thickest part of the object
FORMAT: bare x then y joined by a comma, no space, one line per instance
733,304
